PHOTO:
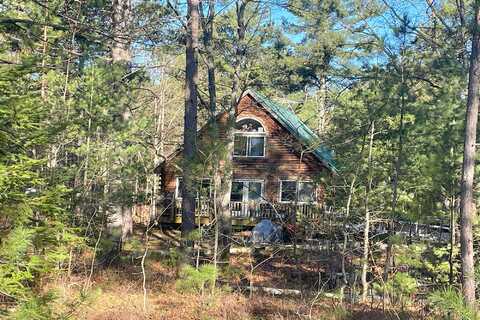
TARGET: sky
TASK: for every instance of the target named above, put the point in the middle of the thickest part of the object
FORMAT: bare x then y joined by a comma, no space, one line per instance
416,10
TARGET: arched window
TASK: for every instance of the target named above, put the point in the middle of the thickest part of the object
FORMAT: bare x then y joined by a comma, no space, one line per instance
249,139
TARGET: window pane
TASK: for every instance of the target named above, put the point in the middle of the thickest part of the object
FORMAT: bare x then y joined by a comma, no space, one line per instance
256,146
204,188
289,189
249,125
237,191
179,187
306,192
240,145
254,191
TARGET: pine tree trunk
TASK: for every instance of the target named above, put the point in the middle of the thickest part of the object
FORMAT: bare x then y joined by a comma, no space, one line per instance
120,53
221,207
121,21
467,205
190,120
208,30
224,216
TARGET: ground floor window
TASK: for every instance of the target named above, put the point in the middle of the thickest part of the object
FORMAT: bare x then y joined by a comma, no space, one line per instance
246,190
299,191
203,188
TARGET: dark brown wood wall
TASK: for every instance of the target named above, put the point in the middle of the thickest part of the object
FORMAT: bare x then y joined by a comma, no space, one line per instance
281,161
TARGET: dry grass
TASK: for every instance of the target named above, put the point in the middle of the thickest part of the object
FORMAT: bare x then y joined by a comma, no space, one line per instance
116,293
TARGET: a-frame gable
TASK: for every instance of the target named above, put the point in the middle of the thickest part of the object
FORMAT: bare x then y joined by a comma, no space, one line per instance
290,122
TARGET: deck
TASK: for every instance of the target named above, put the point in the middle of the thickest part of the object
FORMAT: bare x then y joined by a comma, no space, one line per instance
323,221
245,213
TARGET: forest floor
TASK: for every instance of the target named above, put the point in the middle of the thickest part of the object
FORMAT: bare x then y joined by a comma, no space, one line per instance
116,292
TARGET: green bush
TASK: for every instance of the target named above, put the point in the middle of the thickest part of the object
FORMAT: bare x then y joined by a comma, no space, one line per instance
36,308
400,288
173,258
450,301
196,280
232,273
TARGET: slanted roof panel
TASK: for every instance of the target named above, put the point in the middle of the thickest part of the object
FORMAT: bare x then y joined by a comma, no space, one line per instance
296,127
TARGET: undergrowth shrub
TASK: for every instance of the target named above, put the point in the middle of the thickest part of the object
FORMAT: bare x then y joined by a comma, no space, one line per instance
32,252
35,308
400,288
196,280
450,302
233,273
173,257
339,312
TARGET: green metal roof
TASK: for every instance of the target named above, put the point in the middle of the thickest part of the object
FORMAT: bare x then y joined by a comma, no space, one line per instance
296,127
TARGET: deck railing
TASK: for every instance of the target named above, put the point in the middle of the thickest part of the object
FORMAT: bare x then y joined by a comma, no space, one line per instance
257,210
249,213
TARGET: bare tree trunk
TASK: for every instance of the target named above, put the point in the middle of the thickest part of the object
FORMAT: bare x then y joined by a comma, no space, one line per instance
461,35
322,105
351,192
121,22
366,230
452,240
461,11
389,260
127,223
467,204
225,185
208,30
158,150
190,120
43,91
217,230
345,235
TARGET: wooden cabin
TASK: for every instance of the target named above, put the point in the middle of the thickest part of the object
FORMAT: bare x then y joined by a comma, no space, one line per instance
278,163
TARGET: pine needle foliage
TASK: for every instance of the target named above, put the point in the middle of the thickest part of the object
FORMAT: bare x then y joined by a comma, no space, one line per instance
450,302
197,280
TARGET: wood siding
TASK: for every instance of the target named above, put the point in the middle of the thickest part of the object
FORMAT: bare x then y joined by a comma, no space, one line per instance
281,161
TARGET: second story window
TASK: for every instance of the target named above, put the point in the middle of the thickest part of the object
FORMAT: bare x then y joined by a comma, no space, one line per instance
249,139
